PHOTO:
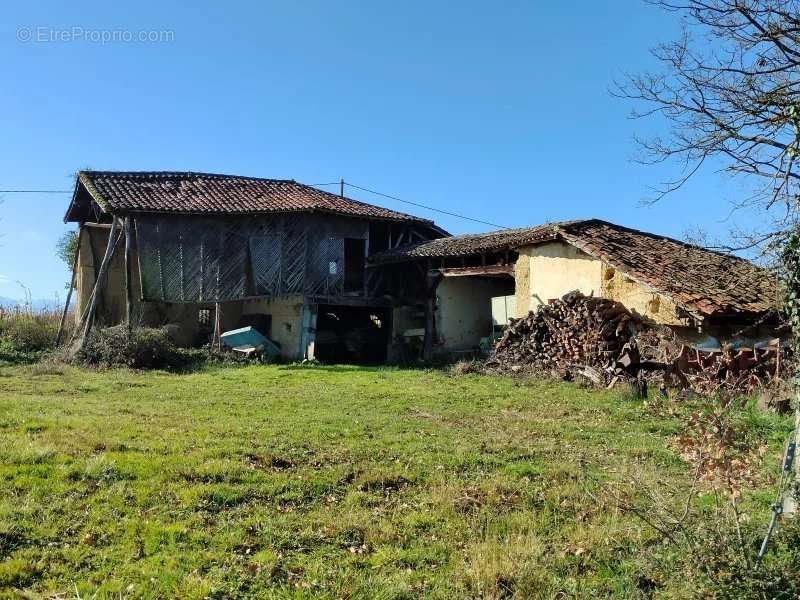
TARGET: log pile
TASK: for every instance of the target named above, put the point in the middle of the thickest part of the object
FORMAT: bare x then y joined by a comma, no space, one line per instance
602,341
576,332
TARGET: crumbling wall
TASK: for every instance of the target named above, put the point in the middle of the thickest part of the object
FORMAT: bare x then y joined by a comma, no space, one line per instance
112,301
182,319
548,271
639,298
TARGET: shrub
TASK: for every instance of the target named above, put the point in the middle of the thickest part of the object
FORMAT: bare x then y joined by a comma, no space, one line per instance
29,333
140,348
25,335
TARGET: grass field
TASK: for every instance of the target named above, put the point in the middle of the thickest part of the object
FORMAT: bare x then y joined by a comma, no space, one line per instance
289,481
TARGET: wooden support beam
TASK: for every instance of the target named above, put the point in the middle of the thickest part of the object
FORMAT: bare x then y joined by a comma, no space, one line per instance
128,278
87,318
431,283
95,261
485,271
216,340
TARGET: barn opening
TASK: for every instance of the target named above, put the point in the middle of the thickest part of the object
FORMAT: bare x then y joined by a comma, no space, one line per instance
352,334
465,319
354,264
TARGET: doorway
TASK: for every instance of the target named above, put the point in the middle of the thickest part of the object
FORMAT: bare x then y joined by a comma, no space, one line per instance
352,334
354,265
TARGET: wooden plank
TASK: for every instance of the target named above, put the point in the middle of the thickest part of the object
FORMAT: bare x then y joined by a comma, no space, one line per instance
484,271
349,300
71,286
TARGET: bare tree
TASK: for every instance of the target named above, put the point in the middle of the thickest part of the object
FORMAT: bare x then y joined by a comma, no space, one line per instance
730,90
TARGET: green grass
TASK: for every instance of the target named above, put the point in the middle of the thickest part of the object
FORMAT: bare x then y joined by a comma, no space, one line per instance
284,481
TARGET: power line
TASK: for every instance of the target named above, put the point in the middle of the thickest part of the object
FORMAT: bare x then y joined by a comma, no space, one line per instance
444,212
352,185
35,191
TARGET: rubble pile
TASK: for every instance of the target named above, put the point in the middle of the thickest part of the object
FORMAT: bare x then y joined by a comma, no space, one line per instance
602,341
743,370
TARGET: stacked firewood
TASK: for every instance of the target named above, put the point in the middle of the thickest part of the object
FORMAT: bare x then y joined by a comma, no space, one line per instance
577,332
600,340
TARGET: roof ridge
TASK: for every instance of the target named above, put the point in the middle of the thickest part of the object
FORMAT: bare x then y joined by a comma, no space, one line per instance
92,172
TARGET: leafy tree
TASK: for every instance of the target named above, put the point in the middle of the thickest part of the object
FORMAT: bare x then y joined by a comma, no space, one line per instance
67,247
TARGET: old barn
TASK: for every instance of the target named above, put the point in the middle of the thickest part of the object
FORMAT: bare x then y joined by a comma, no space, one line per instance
199,253
328,277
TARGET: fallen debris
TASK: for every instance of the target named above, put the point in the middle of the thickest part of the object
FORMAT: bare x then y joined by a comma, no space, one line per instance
602,342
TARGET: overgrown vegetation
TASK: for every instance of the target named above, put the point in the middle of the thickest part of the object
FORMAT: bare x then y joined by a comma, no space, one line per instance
137,348
27,335
67,248
290,481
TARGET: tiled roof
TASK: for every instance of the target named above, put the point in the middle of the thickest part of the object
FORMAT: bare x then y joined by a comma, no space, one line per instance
702,281
206,193
474,243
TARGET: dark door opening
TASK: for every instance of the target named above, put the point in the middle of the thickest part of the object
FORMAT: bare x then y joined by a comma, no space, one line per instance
354,265
351,334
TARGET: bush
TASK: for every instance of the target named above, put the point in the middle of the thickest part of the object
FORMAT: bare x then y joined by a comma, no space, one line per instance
29,334
25,335
140,348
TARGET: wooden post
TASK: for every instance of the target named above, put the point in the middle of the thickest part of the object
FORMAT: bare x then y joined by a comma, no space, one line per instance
216,340
87,319
71,286
128,282
431,283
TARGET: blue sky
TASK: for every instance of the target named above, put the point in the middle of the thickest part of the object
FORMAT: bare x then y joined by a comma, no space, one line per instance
499,111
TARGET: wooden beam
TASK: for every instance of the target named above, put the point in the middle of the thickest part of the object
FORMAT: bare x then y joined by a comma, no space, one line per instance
431,283
128,278
348,300
87,318
216,339
485,271
71,286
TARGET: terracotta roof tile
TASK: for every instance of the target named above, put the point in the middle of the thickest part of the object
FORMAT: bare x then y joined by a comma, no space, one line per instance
464,245
206,193
702,281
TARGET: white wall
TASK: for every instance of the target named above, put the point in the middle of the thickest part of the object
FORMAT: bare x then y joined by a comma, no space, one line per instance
548,271
464,310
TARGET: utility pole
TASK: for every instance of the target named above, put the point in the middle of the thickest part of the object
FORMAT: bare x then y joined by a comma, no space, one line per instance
341,187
